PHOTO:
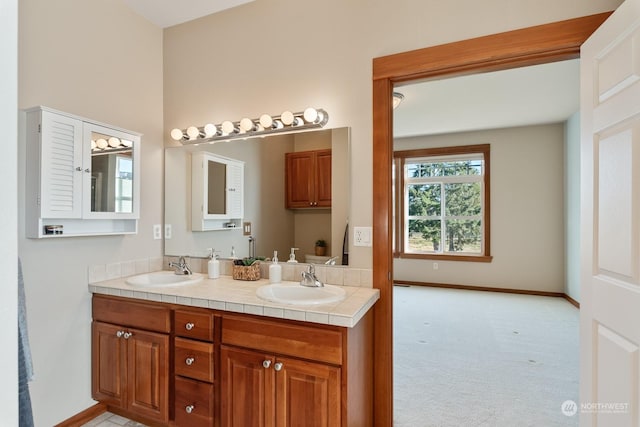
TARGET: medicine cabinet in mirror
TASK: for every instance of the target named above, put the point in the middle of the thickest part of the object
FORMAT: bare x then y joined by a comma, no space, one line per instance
216,192
266,222
87,179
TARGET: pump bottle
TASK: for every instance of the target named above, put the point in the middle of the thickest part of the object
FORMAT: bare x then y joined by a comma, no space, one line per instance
275,269
213,266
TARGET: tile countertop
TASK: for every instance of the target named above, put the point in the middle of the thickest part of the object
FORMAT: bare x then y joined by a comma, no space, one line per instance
239,296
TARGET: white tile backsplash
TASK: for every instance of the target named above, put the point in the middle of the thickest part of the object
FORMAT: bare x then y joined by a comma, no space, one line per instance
101,272
331,275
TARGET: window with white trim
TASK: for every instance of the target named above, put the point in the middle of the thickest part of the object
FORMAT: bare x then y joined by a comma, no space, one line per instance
442,203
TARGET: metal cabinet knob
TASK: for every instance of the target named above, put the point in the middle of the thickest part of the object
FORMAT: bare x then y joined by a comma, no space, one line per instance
127,335
278,366
189,409
266,364
79,169
189,360
87,170
189,326
119,334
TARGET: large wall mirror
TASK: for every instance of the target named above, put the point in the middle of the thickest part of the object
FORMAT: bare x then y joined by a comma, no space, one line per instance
273,227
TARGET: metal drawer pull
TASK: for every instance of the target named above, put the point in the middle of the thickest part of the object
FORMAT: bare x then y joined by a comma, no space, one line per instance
277,366
189,409
127,335
189,360
266,364
189,326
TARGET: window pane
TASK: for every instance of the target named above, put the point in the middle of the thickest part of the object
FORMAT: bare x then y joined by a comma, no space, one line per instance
424,235
463,199
463,236
453,168
424,199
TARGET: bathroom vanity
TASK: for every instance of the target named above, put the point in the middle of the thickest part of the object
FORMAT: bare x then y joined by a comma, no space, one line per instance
214,354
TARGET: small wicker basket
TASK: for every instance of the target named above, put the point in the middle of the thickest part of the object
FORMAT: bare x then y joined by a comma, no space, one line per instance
246,272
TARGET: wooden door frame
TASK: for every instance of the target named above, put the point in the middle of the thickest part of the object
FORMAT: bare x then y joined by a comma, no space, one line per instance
528,46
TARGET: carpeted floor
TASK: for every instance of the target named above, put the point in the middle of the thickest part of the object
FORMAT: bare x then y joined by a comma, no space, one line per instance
469,358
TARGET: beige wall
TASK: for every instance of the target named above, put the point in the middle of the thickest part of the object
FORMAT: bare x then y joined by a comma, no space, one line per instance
98,60
527,222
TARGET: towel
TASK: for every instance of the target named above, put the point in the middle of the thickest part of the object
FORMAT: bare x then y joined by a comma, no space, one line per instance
25,364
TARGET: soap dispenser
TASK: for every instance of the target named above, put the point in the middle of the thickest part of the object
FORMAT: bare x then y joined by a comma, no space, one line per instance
213,266
292,255
275,270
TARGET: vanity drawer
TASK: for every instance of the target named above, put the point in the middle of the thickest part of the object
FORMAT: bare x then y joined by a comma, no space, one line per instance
319,343
193,403
142,315
192,324
193,359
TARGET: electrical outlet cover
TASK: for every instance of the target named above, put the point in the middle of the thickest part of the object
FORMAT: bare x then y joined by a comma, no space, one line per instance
157,231
362,236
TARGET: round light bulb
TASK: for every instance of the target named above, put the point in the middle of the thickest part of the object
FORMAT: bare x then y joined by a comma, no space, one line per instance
287,118
93,144
210,130
310,115
266,121
298,121
192,132
247,125
126,142
176,134
114,142
227,127
102,143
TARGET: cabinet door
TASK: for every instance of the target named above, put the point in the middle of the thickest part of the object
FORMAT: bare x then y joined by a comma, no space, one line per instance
108,359
247,389
323,179
299,180
148,374
307,394
62,169
235,186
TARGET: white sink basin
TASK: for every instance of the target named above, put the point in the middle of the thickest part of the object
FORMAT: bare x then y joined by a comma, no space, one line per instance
296,294
159,279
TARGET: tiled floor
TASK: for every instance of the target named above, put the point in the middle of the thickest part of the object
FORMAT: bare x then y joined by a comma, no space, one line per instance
111,420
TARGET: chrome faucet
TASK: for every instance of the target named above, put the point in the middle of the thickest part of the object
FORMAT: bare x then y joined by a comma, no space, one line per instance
182,268
309,278
331,261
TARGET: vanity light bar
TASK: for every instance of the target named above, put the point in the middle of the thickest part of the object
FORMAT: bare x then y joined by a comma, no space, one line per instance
311,118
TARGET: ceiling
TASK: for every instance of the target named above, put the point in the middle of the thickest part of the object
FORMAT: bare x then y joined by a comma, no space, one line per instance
547,93
166,13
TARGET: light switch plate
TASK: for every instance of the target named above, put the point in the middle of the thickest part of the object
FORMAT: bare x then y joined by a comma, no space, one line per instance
167,231
362,236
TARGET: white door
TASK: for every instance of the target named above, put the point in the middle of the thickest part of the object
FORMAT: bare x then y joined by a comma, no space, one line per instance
610,225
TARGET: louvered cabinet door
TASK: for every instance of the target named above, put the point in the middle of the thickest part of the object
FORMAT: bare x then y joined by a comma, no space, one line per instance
61,163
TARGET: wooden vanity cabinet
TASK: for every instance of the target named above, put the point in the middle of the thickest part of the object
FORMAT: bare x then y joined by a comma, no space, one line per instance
195,366
282,373
173,365
308,179
130,357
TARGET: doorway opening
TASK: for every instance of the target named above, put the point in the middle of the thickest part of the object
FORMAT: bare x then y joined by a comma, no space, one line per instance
529,46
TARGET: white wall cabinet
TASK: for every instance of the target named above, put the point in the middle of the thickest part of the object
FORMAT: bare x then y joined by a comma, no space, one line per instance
217,192
82,176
